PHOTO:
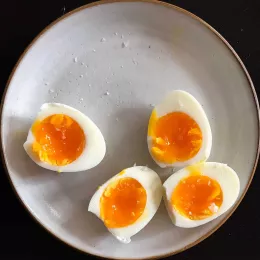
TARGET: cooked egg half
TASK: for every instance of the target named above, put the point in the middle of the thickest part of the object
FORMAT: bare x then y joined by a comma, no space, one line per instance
200,193
179,133
128,201
63,139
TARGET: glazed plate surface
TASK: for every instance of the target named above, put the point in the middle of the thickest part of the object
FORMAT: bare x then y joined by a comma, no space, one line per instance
113,62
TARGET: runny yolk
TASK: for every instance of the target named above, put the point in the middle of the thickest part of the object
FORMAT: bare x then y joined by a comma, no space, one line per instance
176,137
122,203
59,140
197,197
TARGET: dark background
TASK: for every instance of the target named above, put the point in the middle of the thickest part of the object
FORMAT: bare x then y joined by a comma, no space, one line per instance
20,21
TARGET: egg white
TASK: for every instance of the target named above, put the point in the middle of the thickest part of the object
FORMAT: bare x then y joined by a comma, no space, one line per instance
181,101
223,174
94,150
154,191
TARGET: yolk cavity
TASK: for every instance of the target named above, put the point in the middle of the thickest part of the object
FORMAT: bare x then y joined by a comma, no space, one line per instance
197,197
122,203
176,137
59,140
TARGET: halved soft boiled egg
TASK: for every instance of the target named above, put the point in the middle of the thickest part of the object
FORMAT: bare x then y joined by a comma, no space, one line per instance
179,133
128,201
200,193
63,139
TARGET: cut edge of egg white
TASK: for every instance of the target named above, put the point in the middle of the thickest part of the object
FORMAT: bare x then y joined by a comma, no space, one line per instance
182,101
223,174
152,184
95,147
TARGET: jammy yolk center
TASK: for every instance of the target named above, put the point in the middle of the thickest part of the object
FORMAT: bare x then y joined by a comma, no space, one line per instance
122,203
197,197
59,140
176,138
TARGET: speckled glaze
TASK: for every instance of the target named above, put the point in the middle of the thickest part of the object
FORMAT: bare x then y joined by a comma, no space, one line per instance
113,61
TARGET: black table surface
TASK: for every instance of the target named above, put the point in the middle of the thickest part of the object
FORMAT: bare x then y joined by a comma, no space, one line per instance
237,20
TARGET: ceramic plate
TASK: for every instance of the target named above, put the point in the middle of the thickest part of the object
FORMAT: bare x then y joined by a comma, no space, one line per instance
138,52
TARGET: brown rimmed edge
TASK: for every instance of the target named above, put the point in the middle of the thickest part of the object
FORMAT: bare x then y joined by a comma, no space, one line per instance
182,11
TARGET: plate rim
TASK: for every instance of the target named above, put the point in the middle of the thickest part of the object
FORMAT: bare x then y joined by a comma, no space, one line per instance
156,2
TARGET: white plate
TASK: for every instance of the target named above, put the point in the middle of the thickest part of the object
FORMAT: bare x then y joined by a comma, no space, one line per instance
138,52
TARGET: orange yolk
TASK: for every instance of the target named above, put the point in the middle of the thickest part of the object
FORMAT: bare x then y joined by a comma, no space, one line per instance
176,137
59,140
122,203
197,197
